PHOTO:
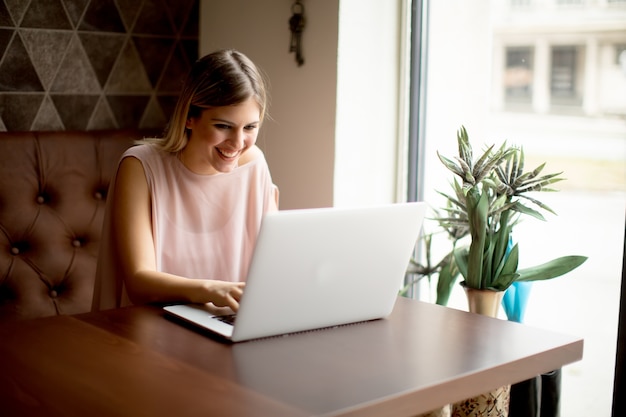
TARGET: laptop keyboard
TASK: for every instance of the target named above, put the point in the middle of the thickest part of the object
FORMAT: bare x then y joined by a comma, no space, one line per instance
229,318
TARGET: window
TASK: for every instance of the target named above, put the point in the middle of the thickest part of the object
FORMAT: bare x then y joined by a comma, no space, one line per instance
620,55
563,77
542,75
518,74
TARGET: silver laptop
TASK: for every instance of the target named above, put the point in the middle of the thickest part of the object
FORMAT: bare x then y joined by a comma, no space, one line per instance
319,268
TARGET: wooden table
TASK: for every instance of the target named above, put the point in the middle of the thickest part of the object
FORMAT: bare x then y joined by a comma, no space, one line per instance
138,362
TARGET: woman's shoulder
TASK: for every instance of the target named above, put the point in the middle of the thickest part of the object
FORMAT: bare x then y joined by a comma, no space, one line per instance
141,150
148,153
251,155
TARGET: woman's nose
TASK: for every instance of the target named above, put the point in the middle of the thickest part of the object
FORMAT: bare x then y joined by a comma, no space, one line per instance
238,137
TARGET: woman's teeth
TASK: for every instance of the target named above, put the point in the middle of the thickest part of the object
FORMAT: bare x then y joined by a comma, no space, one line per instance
228,154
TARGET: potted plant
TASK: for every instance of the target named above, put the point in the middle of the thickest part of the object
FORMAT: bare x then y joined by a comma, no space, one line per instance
489,196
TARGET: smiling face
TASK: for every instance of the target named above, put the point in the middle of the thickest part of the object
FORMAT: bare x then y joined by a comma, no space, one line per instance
219,136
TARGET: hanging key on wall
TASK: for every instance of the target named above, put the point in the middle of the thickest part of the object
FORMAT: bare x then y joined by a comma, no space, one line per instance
296,26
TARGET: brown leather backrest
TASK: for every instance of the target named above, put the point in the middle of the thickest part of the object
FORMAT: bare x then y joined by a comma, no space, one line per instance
53,187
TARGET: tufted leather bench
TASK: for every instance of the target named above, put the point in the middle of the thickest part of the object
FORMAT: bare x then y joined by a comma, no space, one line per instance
53,187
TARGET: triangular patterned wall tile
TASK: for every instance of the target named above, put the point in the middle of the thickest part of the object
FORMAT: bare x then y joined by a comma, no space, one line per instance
75,74
19,110
190,49
102,16
153,117
175,73
192,25
46,49
75,110
153,19
129,10
17,8
81,64
102,118
153,53
127,109
167,103
179,10
47,14
5,17
102,50
5,38
75,9
128,75
47,118
16,70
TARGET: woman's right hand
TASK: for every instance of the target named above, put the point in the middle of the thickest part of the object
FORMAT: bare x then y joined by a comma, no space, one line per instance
221,293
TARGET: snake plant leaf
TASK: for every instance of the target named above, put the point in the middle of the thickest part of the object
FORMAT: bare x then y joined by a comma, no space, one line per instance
538,170
520,208
551,269
451,165
501,174
505,281
455,201
445,283
509,267
500,203
531,179
467,172
527,176
491,183
485,159
460,258
488,276
514,166
539,185
488,162
477,210
538,203
465,150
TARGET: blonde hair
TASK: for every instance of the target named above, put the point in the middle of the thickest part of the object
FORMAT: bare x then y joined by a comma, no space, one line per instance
222,78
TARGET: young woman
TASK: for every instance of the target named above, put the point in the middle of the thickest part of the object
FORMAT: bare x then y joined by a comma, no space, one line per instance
184,211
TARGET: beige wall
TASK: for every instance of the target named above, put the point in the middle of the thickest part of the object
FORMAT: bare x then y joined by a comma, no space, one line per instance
320,156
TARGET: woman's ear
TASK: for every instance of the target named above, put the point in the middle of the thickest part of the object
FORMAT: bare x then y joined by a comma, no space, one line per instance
189,123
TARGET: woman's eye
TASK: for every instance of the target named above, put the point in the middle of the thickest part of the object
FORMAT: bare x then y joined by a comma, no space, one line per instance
251,127
222,126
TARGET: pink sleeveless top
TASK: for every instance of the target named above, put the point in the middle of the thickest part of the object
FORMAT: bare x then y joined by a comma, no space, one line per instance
204,226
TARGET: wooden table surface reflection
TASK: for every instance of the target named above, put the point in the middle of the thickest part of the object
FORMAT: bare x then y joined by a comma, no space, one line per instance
137,361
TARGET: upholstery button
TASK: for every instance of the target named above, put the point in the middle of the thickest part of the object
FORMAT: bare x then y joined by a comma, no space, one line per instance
98,195
53,294
40,199
76,243
15,251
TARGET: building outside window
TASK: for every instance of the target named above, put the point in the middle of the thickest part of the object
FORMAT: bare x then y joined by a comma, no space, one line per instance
564,76
518,76
620,56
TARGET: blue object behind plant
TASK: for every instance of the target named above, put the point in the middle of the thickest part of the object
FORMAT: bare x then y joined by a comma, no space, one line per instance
515,300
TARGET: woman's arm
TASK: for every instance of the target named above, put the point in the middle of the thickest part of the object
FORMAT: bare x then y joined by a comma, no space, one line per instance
132,234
